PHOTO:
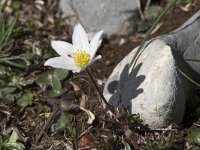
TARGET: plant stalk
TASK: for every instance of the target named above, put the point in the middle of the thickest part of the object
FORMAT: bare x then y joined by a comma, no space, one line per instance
190,79
99,91
167,8
131,135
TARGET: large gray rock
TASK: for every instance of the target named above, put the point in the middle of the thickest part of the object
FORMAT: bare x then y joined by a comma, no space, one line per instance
154,87
185,42
112,16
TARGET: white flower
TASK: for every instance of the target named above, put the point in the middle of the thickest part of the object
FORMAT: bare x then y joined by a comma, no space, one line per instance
78,55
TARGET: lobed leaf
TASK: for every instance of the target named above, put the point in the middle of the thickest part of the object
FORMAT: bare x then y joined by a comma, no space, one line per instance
61,73
25,100
55,83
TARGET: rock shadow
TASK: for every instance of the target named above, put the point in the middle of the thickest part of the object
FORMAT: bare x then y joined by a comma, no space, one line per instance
126,88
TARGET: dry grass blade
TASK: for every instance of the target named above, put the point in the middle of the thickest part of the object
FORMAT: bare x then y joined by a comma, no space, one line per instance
2,29
7,29
190,79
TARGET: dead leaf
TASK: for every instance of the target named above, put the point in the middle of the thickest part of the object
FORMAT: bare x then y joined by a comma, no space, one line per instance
186,8
86,142
83,97
83,100
156,28
90,115
75,86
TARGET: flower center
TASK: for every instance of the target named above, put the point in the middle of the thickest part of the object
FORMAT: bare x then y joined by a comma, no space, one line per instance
81,57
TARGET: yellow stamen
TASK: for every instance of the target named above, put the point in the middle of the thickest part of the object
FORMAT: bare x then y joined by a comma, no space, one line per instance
80,57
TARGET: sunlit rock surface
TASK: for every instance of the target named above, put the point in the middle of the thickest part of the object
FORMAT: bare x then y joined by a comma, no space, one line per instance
154,87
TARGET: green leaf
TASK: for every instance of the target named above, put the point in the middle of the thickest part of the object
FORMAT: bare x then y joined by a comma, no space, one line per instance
14,146
2,70
61,73
152,11
60,123
8,142
194,137
51,93
18,81
40,107
8,99
55,83
15,5
14,64
8,90
25,100
44,79
13,137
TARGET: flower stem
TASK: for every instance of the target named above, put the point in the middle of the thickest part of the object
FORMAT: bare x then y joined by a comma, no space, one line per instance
131,135
99,91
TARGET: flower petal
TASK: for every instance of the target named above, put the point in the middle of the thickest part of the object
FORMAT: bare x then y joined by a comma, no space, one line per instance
62,48
61,62
95,44
79,38
89,64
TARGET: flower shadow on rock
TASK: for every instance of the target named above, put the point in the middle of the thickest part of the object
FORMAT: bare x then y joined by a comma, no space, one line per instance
126,88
